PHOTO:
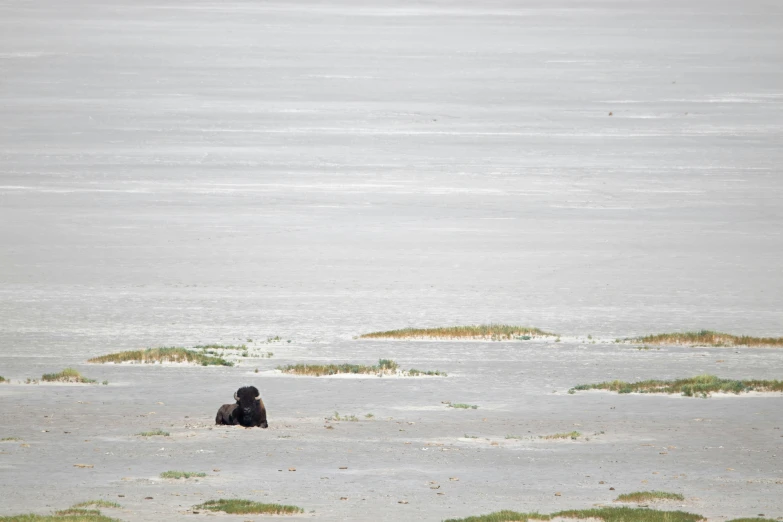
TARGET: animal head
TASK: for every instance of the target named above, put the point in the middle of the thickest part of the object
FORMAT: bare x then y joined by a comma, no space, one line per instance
247,399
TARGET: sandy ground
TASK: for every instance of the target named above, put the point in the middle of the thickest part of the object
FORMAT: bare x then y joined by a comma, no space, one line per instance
187,173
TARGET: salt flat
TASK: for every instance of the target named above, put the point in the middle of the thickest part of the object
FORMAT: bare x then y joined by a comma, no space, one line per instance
187,173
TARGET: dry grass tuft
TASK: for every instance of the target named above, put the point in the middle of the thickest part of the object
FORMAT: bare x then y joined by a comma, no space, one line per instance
462,406
709,338
161,355
181,474
384,367
701,386
67,375
154,433
646,496
572,435
242,507
494,332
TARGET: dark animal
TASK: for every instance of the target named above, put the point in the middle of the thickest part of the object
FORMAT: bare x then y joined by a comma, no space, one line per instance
248,411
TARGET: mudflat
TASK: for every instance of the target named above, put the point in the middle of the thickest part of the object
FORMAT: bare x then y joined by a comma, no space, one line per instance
259,173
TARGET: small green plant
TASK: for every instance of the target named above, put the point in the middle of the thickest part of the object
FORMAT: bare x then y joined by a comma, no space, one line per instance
2,379
369,416
646,496
10,439
571,435
105,383
181,474
699,386
96,503
463,406
67,375
337,417
243,507
515,437
154,433
275,339
466,436
162,355
494,332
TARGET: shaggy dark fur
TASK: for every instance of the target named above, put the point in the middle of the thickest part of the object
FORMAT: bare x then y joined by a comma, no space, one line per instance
250,410
225,414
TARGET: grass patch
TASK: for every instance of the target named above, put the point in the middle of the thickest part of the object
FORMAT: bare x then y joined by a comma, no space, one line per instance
73,514
337,417
514,437
384,367
77,512
97,503
645,496
181,474
242,507
572,435
608,514
67,375
161,355
10,439
701,386
494,332
2,379
413,372
155,433
463,406
709,338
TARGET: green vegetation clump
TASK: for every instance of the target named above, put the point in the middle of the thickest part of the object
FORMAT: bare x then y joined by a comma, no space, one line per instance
701,385
384,367
10,439
154,433
494,332
243,507
67,375
75,513
463,406
571,435
78,512
607,514
413,372
181,474
161,355
97,503
2,379
709,338
646,496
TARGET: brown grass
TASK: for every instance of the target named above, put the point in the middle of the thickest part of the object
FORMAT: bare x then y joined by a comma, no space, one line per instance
572,435
493,332
161,355
708,338
384,367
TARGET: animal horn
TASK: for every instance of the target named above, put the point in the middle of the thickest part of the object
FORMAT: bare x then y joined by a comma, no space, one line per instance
235,396
258,397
